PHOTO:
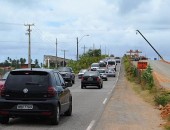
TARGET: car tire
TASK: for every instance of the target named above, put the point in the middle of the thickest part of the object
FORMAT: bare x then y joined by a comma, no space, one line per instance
4,119
83,86
69,111
56,117
101,86
73,81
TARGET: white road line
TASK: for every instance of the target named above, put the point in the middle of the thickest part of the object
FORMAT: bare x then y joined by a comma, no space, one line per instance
104,100
91,125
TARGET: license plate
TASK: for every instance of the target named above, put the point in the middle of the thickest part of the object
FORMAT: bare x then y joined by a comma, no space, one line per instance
25,106
90,79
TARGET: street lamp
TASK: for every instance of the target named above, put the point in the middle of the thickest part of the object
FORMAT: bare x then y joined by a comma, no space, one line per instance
78,41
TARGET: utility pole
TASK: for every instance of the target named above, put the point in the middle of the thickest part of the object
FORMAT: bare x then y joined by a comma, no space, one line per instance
56,62
137,31
84,48
77,49
29,43
78,45
64,57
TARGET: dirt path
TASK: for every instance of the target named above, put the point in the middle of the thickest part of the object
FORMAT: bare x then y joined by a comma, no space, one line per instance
127,111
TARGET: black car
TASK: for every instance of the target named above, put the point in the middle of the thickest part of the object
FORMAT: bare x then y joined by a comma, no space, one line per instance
68,74
35,93
91,78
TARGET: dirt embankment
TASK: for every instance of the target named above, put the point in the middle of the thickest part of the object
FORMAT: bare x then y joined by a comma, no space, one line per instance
127,111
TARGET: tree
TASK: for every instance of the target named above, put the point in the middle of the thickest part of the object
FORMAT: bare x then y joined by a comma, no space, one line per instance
22,60
36,63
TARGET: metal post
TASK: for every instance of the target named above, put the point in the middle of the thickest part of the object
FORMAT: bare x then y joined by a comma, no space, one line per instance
150,44
56,62
77,49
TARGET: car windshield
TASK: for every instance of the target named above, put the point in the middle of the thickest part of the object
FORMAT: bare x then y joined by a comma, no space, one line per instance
64,69
91,73
111,62
82,71
102,64
101,71
95,65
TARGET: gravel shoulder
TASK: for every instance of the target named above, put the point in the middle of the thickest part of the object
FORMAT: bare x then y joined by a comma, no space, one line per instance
127,111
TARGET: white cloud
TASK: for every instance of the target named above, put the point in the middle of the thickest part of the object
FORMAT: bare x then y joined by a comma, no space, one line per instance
111,24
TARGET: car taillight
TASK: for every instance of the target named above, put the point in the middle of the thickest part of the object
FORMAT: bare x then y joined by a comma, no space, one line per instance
2,91
98,79
52,91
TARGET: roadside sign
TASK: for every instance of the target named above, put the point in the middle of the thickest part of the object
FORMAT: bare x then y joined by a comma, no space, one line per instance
142,65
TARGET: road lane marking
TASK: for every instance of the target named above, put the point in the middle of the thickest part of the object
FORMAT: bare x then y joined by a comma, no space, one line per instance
104,100
91,125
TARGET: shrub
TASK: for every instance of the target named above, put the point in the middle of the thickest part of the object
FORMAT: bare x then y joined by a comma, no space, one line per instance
162,99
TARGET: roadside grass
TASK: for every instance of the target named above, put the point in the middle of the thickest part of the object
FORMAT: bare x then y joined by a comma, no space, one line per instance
147,87
146,95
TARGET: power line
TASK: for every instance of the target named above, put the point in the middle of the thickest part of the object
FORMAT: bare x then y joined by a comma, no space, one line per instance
11,23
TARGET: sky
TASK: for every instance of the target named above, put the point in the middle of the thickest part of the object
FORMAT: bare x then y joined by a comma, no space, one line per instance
110,24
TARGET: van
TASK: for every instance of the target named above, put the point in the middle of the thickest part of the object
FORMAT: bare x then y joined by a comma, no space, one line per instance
111,64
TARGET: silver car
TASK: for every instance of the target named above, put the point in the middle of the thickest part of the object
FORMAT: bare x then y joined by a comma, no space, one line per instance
81,73
111,73
103,73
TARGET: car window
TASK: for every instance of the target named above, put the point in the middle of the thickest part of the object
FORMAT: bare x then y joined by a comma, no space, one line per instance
101,71
58,81
64,69
95,65
61,79
24,79
111,62
5,76
92,73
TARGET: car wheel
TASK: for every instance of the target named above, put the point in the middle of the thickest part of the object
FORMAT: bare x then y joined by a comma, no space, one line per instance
83,86
56,117
69,111
101,86
73,81
4,119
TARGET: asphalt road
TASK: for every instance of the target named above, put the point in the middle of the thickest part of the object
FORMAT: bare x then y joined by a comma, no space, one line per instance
88,105
162,72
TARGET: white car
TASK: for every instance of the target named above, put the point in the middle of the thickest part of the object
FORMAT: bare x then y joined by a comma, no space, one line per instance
111,73
94,66
111,64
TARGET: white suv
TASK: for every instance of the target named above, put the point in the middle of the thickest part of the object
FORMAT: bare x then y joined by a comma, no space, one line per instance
94,66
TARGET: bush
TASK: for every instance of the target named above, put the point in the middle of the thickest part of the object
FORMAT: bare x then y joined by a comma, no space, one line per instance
162,99
147,78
